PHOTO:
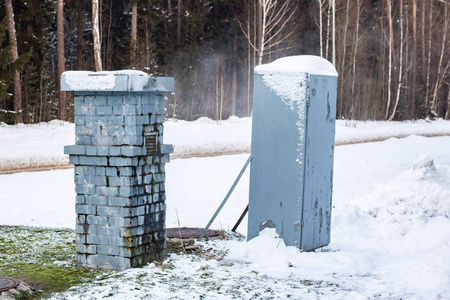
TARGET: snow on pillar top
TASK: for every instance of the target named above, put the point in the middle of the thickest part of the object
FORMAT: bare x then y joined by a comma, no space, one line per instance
115,81
299,64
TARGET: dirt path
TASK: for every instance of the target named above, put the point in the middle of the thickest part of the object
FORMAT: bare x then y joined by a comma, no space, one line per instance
37,168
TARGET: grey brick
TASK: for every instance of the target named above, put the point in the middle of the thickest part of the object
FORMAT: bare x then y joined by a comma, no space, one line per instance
97,239
80,120
114,181
98,260
81,219
108,230
96,200
148,179
118,110
91,150
81,259
114,151
97,220
83,140
102,140
120,263
115,121
85,189
127,191
104,110
85,209
107,191
132,151
116,100
108,211
80,238
126,171
108,250
123,161
102,151
75,150
111,171
74,160
100,171
93,160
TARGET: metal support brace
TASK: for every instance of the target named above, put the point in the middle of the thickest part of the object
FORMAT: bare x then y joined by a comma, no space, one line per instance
226,197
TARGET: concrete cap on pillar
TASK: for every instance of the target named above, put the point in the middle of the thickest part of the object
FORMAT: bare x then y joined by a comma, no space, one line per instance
115,81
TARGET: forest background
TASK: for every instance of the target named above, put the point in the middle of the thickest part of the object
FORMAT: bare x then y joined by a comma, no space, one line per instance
392,56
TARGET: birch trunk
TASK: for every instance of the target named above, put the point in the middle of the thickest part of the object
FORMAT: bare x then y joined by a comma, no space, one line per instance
400,71
17,89
441,72
96,36
391,49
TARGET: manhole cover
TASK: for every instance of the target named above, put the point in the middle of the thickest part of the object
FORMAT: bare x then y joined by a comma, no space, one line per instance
7,284
189,233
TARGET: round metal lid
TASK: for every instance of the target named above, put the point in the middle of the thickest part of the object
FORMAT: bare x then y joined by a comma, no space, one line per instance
7,284
189,233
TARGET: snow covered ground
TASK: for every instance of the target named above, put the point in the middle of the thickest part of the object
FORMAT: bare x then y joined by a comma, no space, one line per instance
25,146
390,222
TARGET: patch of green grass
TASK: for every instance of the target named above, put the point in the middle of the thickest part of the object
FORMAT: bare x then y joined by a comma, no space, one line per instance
43,258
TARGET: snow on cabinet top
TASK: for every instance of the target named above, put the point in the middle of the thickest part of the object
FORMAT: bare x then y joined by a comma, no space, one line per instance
299,64
288,76
115,81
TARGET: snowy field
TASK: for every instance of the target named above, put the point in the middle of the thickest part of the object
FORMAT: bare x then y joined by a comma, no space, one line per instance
24,146
390,222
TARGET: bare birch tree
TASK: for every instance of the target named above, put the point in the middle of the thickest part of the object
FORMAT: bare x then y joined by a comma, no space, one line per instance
441,72
96,36
391,50
274,15
17,89
321,11
400,71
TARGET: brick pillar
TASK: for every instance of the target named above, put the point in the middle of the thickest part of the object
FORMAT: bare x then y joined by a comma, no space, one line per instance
119,160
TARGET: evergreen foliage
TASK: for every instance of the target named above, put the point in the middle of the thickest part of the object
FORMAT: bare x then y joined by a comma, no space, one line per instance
205,45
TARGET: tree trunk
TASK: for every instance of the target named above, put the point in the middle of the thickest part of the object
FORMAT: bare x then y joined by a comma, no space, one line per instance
447,114
17,89
169,6
108,55
133,34
61,60
327,42
391,50
427,99
414,57
179,22
344,50
260,31
320,27
355,51
441,72
234,81
397,98
423,37
96,36
79,36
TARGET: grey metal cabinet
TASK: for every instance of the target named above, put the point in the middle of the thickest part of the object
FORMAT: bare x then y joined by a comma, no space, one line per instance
291,175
